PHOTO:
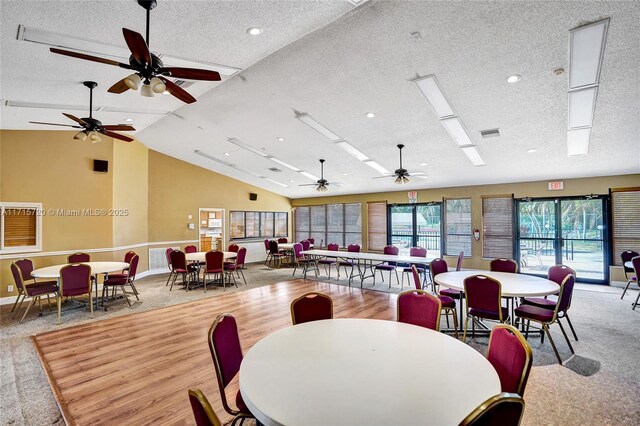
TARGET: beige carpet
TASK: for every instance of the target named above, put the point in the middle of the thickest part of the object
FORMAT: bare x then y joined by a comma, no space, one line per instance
599,386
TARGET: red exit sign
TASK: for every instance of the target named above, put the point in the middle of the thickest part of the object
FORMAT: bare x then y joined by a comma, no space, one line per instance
556,186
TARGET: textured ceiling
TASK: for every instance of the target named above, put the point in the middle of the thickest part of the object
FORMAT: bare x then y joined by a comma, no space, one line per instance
336,62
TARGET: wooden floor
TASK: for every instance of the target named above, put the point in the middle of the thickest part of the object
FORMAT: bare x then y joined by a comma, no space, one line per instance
136,369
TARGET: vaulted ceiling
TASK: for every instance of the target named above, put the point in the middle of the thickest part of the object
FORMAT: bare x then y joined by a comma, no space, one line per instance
336,61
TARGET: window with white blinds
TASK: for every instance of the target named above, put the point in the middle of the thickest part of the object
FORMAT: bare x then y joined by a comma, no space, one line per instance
21,225
457,229
377,225
245,224
625,206
497,227
329,223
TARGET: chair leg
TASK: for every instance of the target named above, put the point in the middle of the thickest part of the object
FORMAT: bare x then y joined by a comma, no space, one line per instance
625,289
91,304
243,278
135,290
17,298
566,337
636,302
575,336
59,307
33,302
466,326
546,330
124,293
20,305
169,278
455,322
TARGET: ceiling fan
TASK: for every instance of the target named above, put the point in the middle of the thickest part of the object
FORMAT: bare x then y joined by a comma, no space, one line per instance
92,127
401,174
148,68
321,184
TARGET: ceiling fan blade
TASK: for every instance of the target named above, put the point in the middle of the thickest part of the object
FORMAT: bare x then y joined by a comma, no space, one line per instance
137,46
177,91
89,58
56,124
76,119
120,127
309,184
384,176
119,87
117,136
191,73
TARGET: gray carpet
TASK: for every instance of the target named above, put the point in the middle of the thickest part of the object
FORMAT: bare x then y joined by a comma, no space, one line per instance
598,386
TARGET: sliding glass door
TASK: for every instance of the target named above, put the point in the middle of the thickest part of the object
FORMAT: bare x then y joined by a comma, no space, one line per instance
413,225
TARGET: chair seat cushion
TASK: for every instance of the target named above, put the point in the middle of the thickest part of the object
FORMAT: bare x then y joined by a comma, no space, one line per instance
386,267
42,288
346,263
539,302
534,312
42,284
447,302
115,281
483,313
420,269
327,261
189,270
75,291
214,271
117,276
454,294
242,407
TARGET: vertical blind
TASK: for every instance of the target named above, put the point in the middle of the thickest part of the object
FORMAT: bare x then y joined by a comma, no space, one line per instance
377,225
330,223
457,230
497,226
625,205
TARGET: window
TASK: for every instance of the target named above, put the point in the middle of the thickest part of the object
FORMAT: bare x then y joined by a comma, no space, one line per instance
377,225
21,227
258,224
332,223
626,217
416,225
497,227
457,219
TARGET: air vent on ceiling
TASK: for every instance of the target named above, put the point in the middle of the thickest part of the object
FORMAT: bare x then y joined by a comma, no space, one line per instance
184,83
275,170
490,133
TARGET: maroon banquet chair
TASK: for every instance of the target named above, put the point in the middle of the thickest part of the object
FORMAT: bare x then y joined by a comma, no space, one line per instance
202,410
636,267
171,272
116,282
416,252
484,301
327,262
387,266
181,268
25,267
226,352
312,306
267,251
300,260
311,240
127,259
282,240
557,274
75,280
214,265
274,253
351,248
234,248
448,305
191,249
503,265
306,245
33,290
504,409
419,308
511,356
79,258
238,265
546,317
629,273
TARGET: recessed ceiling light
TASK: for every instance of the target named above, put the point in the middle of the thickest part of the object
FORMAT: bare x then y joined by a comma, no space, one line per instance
370,115
532,150
226,153
254,31
344,174
280,139
292,181
423,164
514,78
128,120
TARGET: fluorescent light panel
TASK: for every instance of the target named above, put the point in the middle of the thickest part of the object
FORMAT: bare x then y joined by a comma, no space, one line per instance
309,121
287,165
377,167
21,104
473,154
353,151
578,141
248,147
65,41
582,104
431,90
586,49
207,156
457,131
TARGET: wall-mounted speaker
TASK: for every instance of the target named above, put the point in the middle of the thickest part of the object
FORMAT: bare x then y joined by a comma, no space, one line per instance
252,196
101,166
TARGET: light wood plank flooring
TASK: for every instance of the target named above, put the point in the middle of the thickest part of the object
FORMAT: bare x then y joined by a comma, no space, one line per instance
136,369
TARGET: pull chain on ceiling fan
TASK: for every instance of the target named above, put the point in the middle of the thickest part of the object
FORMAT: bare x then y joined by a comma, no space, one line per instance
149,71
92,128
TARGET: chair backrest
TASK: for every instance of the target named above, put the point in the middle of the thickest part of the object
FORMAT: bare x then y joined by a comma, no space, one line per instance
416,277
202,410
306,245
214,260
234,248
504,409
626,256
79,258
565,295
503,265
393,250
353,248
168,254
483,293
333,247
75,280
266,244
240,257
25,267
191,249
226,351
297,248
133,267
273,247
635,262
511,356
420,308
311,306
17,277
459,263
283,240
178,259
418,252
557,273
128,256
438,266
311,240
